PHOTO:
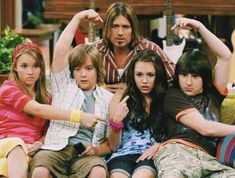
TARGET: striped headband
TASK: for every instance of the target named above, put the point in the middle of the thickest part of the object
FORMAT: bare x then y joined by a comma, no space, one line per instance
22,47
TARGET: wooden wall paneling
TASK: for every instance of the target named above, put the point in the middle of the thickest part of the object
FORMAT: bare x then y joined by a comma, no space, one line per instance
144,9
66,9
7,13
205,7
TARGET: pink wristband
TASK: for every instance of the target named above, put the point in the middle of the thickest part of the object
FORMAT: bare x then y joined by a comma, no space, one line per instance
116,127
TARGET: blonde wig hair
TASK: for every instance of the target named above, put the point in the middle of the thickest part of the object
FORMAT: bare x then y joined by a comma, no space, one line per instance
42,94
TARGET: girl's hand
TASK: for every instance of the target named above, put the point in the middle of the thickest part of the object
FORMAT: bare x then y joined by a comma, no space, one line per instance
90,120
149,153
121,111
33,148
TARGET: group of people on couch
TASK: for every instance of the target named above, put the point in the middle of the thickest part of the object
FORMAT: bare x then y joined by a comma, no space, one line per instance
117,108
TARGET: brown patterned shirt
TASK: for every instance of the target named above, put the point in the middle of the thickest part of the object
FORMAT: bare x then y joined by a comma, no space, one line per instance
112,75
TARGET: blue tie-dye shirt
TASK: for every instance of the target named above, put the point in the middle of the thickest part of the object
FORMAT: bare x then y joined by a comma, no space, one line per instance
134,142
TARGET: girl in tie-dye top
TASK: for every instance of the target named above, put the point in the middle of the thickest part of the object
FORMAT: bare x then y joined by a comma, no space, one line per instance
137,142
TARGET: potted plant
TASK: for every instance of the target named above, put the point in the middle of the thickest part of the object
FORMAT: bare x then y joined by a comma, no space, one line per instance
7,44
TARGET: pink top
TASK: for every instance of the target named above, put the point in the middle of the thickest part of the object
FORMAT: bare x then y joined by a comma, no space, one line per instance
13,121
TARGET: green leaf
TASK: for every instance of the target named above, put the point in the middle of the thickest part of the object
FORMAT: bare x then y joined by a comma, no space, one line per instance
34,19
8,42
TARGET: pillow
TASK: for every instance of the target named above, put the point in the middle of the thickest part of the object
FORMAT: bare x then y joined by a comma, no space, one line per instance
227,110
226,151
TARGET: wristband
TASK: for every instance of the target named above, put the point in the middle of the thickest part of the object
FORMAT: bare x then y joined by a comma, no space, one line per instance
116,127
75,116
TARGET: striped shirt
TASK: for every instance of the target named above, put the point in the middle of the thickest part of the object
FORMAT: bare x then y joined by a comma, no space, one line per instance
13,121
112,75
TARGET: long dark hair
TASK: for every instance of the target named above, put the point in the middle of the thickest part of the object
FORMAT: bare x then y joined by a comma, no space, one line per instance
194,62
137,116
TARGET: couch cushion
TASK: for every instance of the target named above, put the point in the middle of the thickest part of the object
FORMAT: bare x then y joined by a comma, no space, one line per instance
226,151
227,112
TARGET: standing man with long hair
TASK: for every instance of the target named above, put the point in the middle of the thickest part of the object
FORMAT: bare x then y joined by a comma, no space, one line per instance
121,42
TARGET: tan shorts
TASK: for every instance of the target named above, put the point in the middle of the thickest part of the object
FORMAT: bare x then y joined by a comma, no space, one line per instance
66,162
6,146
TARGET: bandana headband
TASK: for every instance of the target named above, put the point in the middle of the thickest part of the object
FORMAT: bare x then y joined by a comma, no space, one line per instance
20,48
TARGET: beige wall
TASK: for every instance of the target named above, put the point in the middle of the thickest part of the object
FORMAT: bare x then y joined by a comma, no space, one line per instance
232,69
7,13
18,13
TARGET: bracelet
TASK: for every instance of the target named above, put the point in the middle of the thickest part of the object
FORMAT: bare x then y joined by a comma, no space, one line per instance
40,143
75,116
116,127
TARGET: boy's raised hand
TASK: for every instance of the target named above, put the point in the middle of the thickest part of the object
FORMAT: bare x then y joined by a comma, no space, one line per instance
89,15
